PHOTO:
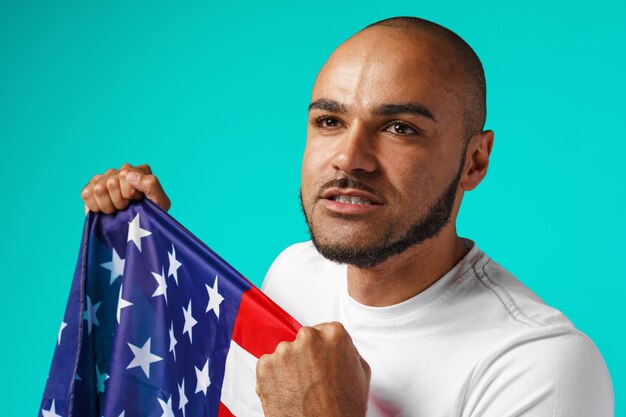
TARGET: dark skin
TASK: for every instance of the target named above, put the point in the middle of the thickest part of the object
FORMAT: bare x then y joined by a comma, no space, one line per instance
407,158
406,154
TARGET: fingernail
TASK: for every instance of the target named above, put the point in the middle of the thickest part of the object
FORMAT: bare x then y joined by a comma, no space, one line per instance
133,176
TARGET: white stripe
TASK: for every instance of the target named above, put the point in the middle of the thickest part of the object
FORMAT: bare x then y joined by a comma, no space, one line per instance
238,388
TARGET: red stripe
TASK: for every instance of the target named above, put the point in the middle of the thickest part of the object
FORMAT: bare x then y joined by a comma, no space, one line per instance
261,324
223,411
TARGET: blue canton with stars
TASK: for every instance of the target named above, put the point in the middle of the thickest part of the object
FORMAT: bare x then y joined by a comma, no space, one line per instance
148,321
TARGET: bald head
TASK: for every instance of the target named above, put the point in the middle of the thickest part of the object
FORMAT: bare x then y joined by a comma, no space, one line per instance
474,88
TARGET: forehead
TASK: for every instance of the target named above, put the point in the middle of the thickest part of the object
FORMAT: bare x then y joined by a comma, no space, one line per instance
388,65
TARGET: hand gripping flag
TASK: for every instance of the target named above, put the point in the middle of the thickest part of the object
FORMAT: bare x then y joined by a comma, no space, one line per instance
157,324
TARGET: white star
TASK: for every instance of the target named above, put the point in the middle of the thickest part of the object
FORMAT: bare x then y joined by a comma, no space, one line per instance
122,414
116,266
215,299
166,407
182,402
143,357
63,326
172,340
174,265
189,321
100,378
52,412
203,378
135,232
162,285
90,314
121,303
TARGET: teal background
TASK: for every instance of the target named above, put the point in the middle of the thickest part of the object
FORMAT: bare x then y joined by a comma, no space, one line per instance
214,96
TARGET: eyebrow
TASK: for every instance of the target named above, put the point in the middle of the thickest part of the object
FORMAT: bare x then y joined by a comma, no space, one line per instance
388,109
328,105
404,108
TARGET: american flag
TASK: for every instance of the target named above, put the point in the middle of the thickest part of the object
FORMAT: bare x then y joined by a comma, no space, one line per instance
157,324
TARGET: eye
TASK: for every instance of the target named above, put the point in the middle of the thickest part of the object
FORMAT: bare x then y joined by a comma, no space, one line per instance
327,122
400,128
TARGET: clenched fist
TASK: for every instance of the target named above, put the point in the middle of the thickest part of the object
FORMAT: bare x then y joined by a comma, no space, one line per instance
114,189
319,374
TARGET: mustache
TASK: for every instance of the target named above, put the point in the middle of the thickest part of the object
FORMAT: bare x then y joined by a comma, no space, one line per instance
347,182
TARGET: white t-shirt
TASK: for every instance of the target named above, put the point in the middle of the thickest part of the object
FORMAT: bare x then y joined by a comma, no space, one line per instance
475,343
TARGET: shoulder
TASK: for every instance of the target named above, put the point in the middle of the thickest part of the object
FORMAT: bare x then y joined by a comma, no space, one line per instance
291,257
529,359
513,302
529,356
304,283
551,370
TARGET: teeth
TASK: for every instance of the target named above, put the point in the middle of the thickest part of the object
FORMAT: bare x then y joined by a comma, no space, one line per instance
348,199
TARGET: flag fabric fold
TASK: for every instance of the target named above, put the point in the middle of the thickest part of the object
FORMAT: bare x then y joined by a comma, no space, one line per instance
157,324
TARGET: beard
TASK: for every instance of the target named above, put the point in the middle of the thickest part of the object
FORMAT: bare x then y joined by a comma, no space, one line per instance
426,227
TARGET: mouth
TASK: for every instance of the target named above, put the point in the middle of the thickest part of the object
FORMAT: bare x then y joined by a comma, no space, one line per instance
351,196
350,201
347,199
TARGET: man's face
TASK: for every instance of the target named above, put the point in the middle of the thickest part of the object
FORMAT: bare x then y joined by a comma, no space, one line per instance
385,142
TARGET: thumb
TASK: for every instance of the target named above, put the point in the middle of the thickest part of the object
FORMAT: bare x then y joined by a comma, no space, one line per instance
151,187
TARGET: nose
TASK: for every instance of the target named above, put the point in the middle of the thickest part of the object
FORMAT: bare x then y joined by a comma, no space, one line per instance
355,151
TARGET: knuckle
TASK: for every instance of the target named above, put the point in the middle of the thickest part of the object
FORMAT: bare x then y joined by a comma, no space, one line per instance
151,180
282,349
306,333
111,184
85,194
144,169
109,171
262,365
335,325
99,190
335,329
126,166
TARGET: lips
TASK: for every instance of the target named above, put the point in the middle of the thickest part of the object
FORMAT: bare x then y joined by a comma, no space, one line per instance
351,196
350,200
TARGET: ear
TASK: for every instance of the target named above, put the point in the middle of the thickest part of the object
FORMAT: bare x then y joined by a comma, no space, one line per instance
477,160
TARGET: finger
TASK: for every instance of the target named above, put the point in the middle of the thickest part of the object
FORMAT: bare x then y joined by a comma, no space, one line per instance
333,329
115,193
88,196
145,169
101,194
128,191
151,187
307,333
126,166
260,370
321,326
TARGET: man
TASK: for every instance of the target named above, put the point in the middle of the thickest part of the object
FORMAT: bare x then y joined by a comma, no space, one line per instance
407,317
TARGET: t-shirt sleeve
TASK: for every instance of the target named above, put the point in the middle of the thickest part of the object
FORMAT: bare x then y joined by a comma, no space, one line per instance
547,373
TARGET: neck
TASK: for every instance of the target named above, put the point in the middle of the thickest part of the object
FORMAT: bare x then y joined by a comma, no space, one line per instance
407,274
